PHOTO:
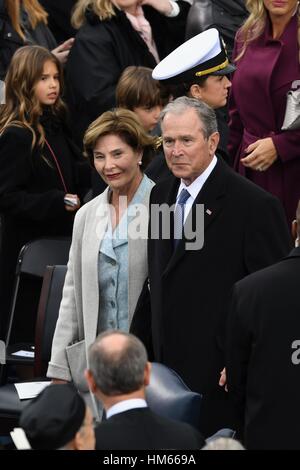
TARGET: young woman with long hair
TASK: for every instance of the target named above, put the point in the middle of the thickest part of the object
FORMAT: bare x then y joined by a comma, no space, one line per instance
38,161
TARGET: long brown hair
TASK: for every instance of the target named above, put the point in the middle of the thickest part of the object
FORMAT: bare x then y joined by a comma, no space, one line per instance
22,108
34,9
255,25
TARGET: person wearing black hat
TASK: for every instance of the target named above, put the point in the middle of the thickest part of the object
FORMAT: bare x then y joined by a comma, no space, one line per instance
58,418
199,69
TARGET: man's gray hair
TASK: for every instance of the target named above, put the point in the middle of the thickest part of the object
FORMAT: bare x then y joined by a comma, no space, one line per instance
223,443
120,371
205,113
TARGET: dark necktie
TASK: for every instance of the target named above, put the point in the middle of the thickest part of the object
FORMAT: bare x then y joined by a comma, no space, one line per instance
179,216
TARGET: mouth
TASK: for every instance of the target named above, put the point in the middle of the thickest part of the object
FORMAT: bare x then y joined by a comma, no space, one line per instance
52,95
112,177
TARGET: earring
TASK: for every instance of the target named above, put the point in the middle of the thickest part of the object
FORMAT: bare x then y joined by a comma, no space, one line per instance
140,162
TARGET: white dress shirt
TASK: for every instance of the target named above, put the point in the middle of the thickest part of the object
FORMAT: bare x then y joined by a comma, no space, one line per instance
195,187
126,405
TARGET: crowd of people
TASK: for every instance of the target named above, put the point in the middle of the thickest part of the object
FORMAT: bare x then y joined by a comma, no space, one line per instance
159,135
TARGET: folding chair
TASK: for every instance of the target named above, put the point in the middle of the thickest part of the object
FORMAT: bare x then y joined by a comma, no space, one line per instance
51,294
32,261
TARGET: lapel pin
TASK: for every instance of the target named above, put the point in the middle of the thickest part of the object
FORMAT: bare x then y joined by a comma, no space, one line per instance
208,211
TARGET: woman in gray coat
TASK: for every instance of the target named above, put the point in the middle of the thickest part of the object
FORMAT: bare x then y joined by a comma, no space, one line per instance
107,263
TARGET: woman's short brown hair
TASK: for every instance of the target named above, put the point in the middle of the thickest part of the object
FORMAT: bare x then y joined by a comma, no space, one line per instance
137,88
124,124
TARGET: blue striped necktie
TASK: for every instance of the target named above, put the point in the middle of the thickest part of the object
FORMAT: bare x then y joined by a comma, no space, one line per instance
179,216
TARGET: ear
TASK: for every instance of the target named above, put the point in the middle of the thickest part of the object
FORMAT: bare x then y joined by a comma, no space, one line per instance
294,229
90,380
147,373
213,142
195,91
78,441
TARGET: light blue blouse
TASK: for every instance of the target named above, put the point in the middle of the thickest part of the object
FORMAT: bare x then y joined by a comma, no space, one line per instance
113,270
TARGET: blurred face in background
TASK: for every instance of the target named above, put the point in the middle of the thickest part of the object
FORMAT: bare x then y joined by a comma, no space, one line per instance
280,8
148,116
126,5
214,91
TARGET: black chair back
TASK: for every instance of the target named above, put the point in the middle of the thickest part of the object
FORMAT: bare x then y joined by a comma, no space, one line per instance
10,404
32,261
167,395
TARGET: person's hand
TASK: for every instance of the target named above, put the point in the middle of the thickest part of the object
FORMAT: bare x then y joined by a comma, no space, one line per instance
72,202
62,51
223,379
162,6
261,154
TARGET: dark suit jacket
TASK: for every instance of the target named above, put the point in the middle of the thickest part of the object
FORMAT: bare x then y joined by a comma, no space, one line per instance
244,230
264,322
142,429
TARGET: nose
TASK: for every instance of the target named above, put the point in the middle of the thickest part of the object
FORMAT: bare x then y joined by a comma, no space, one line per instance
53,83
177,149
157,112
227,82
108,163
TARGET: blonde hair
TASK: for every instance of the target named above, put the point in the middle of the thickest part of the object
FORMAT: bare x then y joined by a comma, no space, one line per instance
102,8
124,124
22,108
255,25
34,9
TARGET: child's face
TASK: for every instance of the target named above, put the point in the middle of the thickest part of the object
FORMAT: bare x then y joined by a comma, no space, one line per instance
47,87
148,116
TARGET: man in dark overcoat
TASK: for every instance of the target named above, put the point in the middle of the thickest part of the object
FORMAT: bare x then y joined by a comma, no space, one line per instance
190,280
263,353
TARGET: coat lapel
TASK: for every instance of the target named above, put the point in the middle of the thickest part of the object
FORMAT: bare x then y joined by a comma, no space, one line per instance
95,224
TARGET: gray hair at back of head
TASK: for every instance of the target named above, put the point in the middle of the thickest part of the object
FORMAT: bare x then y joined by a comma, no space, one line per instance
118,372
205,113
223,443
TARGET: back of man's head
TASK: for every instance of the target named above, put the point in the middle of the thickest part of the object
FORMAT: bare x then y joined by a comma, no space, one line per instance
117,362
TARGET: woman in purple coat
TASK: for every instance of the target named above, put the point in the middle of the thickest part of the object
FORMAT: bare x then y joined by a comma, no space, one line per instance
267,57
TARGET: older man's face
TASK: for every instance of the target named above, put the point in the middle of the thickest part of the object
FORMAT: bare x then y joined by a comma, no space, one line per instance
188,153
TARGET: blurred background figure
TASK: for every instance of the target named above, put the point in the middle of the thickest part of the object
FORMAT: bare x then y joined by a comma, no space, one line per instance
24,22
138,91
58,418
39,166
59,19
111,36
225,15
199,69
108,258
267,58
263,353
